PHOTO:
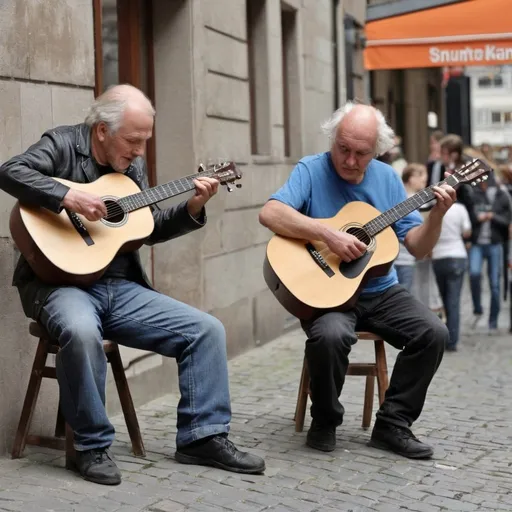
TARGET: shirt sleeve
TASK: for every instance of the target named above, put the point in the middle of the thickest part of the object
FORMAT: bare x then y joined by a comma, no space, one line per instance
413,219
296,192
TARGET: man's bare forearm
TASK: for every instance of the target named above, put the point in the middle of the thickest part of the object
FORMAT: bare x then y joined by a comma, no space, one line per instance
421,239
284,220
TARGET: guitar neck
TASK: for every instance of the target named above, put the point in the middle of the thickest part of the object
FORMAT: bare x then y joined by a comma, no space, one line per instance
159,193
402,209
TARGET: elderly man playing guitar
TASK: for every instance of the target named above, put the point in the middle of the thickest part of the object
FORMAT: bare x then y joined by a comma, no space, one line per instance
122,306
317,188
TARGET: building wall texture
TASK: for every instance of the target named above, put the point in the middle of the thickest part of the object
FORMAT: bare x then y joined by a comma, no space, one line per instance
47,78
203,100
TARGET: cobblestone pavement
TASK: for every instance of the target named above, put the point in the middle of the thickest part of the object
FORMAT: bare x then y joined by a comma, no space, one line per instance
467,418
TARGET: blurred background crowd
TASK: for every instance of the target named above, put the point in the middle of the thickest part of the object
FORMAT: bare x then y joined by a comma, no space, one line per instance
475,237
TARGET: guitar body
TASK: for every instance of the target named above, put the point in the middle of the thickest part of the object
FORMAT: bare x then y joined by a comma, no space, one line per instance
56,250
301,284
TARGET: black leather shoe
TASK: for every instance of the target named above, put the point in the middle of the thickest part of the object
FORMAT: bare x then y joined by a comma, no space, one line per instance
401,440
221,453
98,466
321,437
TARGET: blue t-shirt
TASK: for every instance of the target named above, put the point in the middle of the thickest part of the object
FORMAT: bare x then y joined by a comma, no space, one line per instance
315,189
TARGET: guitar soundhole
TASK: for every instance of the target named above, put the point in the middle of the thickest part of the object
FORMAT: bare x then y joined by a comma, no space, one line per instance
360,234
115,214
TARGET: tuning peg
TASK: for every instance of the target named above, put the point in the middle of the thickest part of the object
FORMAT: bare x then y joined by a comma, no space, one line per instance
238,185
230,189
201,168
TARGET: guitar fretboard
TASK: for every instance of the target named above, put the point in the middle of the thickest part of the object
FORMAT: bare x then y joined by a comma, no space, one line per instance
160,192
402,209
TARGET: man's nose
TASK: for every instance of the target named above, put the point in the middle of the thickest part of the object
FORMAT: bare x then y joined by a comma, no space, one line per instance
138,151
351,160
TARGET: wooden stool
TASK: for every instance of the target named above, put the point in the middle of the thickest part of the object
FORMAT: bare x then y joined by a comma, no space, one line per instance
377,369
63,439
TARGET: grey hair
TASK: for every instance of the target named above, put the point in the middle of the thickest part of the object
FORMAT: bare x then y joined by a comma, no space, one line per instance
385,134
109,108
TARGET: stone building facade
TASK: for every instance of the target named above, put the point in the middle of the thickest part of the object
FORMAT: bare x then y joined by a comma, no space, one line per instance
242,80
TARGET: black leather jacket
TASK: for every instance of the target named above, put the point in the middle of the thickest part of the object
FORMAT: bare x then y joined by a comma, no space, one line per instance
502,214
65,152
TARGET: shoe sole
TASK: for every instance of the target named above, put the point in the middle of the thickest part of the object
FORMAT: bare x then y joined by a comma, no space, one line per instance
190,459
321,447
383,446
103,482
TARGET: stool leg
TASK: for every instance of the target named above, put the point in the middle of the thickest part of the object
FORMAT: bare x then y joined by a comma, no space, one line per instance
60,424
125,398
368,401
382,369
29,405
302,399
299,395
70,448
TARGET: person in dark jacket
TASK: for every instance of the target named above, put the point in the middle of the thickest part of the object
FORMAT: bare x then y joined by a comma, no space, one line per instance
453,158
122,306
493,213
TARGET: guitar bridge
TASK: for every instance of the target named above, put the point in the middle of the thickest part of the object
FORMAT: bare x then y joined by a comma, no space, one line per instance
319,260
80,228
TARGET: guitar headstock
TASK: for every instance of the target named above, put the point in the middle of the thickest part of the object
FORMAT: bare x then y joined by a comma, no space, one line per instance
473,173
226,173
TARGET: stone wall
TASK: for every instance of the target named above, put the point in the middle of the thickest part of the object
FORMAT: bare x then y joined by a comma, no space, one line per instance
47,78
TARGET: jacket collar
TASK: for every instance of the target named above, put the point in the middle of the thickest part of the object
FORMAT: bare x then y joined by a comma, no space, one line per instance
83,147
83,140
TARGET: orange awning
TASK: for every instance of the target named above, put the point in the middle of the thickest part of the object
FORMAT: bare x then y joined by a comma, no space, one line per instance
470,33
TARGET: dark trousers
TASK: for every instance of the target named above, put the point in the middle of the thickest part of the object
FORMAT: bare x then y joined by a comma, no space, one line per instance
402,321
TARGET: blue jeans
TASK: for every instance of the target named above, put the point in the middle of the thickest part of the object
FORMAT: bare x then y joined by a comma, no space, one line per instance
493,254
132,315
405,274
450,276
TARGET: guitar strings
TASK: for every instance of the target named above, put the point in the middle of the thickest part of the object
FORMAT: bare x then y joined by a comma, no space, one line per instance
114,209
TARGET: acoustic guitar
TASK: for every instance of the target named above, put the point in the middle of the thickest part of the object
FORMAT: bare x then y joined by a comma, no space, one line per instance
308,279
67,249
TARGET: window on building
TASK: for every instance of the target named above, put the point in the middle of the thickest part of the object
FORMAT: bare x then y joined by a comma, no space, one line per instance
490,81
484,81
507,117
291,93
353,48
481,117
123,37
498,81
496,117
258,76
336,52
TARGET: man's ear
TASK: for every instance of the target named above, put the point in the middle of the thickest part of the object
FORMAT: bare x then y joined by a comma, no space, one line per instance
101,131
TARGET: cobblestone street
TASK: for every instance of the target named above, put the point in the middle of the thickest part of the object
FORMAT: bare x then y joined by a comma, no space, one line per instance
467,418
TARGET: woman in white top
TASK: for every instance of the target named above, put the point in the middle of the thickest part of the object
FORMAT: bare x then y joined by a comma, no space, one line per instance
449,259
